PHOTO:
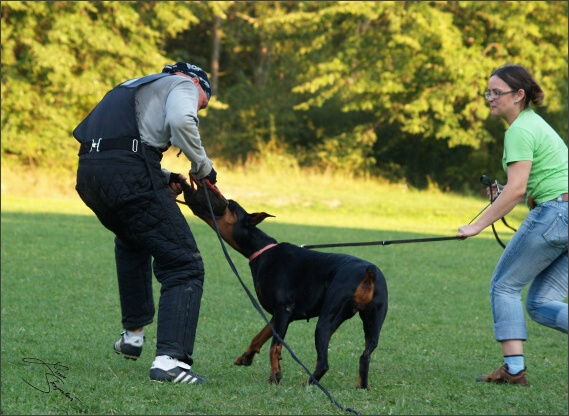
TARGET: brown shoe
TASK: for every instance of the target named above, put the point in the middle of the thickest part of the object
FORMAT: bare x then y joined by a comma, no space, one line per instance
501,375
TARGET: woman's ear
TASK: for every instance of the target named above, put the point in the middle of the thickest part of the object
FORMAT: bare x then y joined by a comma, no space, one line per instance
521,94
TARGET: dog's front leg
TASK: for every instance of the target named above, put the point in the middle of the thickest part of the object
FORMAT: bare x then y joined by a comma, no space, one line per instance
281,320
275,358
255,346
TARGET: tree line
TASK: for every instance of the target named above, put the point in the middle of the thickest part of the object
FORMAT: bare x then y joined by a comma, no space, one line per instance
380,89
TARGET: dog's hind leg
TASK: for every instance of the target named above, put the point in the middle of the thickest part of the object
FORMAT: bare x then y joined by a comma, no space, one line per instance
333,314
372,321
255,346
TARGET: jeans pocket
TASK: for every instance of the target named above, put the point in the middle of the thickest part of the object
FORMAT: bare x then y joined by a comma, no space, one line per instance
556,234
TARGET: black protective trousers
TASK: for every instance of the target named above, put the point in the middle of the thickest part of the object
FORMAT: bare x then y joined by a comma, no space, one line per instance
128,193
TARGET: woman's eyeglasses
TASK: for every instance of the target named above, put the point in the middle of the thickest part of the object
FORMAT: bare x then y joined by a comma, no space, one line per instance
496,94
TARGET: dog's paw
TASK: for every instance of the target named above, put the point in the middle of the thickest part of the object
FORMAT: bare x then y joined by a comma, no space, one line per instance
275,378
244,359
359,386
306,383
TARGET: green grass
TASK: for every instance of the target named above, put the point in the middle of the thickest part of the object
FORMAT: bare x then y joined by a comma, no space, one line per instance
60,304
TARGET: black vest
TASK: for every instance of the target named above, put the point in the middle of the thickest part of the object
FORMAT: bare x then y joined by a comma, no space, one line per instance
115,115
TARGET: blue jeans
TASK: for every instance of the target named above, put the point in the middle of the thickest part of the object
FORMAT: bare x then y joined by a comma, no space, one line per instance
537,254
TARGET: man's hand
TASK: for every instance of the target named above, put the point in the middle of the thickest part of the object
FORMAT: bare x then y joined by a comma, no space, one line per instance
175,183
196,199
212,177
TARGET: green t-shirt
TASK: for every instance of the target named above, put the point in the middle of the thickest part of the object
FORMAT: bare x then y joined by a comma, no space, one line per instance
529,137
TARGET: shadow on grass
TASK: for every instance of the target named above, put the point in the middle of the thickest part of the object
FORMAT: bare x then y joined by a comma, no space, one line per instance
60,304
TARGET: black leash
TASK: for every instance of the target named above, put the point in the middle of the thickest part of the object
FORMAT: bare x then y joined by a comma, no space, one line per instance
483,179
380,243
260,310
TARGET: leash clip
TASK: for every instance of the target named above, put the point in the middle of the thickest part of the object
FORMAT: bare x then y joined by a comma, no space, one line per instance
499,188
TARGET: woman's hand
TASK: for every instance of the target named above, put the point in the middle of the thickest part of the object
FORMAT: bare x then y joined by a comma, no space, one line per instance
466,231
496,190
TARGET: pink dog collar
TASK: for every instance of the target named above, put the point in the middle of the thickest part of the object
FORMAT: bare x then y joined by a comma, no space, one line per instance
258,253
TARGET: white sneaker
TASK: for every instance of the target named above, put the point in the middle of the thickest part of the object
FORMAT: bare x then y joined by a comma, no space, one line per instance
130,347
165,368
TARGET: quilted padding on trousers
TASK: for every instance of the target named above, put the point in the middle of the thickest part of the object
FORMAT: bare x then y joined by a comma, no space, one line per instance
128,193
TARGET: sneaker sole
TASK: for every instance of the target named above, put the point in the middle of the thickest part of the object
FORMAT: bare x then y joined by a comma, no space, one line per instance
127,354
158,375
128,357
479,379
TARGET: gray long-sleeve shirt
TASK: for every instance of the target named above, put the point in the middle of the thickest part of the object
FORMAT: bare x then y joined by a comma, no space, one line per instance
167,111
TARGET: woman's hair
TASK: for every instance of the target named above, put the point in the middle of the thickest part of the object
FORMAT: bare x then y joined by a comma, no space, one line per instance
519,78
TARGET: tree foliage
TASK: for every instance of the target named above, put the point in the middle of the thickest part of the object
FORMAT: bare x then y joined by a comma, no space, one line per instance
60,58
417,70
383,88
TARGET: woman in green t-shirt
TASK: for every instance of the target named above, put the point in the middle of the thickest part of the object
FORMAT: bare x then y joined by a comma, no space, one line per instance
535,160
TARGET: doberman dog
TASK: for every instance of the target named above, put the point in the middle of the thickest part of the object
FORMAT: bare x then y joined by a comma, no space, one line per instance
294,283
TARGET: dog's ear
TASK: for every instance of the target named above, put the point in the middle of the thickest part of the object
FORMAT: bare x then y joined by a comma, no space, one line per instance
256,217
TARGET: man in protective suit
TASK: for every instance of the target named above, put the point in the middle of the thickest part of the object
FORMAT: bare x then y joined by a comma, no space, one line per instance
120,178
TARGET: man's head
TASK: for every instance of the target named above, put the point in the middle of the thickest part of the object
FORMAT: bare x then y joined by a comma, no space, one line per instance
193,71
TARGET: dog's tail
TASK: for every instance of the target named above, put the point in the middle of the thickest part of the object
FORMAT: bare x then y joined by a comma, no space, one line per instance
379,280
365,290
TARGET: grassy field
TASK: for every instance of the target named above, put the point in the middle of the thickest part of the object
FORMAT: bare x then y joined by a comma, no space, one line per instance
60,309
